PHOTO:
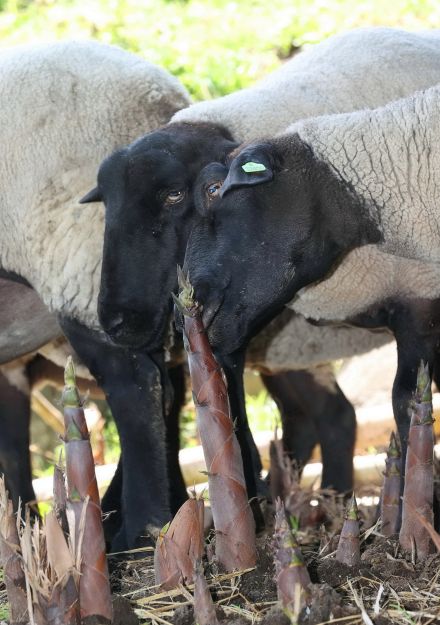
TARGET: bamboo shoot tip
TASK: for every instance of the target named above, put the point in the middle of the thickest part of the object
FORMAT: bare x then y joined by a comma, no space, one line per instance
352,509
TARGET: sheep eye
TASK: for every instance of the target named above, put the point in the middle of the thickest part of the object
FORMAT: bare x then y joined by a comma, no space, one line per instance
172,197
213,189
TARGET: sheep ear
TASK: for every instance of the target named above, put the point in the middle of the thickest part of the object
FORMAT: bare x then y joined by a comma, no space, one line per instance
248,169
92,196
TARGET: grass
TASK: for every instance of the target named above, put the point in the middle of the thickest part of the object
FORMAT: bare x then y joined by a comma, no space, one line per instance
262,412
213,46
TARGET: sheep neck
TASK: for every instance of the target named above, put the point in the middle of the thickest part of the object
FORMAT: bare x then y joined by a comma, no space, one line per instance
389,157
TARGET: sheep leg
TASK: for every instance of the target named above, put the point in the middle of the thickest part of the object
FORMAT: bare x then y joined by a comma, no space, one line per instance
233,366
416,326
300,435
15,463
178,493
133,387
111,502
314,410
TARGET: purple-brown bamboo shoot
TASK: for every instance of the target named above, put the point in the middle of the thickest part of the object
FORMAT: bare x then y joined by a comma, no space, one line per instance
419,476
390,499
64,598
94,590
291,574
235,545
285,483
435,536
60,496
180,545
348,551
204,608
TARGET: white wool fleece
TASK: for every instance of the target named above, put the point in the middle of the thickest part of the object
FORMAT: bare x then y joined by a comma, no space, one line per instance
367,276
63,108
390,156
289,342
363,68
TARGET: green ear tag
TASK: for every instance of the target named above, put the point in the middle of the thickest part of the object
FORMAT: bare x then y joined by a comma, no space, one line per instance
250,167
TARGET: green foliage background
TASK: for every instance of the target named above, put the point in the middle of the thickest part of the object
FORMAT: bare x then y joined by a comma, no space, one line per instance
213,46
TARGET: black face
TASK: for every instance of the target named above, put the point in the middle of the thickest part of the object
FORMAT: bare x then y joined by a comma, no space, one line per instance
280,221
147,189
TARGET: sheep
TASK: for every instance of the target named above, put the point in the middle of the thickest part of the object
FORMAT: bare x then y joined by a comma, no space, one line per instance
64,106
365,67
95,98
293,359
82,99
364,180
148,186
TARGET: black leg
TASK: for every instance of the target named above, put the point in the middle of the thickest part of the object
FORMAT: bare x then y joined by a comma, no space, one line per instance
178,493
233,366
299,430
133,387
416,326
111,501
15,461
337,435
111,505
314,410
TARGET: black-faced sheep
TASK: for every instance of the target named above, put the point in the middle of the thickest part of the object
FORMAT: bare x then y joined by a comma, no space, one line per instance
147,187
65,106
310,196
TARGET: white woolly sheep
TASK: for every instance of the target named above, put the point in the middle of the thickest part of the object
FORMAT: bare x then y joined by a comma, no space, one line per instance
326,186
362,68
82,99
52,212
64,106
154,176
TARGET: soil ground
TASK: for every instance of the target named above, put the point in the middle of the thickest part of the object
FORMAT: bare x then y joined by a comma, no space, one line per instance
386,586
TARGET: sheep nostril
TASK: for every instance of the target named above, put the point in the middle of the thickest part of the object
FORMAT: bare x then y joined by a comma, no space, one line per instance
208,315
210,310
115,323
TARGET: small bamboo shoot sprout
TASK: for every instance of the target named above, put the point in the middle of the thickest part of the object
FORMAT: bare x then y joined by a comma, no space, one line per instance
348,550
390,500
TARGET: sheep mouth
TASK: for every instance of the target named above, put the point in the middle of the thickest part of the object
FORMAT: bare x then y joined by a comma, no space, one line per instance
210,311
